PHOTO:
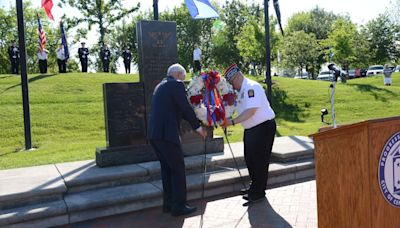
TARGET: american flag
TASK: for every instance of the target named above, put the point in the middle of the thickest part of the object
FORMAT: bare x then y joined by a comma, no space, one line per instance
42,34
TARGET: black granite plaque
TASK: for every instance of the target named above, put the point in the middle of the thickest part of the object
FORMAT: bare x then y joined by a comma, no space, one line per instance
124,110
157,47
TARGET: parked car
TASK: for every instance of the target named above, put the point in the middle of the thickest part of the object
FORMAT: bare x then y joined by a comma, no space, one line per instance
303,75
351,74
374,70
397,69
325,76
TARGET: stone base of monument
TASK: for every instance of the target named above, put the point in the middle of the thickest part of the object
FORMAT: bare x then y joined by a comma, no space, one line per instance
143,153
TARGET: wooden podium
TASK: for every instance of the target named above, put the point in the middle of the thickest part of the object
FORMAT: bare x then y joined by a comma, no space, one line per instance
347,162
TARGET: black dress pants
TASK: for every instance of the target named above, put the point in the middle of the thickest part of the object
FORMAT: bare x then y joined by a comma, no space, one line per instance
84,64
258,143
43,66
62,66
172,172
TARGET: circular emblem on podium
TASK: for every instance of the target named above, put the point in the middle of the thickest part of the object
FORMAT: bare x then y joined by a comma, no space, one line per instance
389,171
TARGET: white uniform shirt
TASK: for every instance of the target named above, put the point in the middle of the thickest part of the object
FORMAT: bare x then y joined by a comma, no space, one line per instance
252,95
42,55
60,54
197,54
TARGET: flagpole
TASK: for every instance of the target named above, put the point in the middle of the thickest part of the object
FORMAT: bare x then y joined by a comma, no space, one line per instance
155,9
24,75
268,80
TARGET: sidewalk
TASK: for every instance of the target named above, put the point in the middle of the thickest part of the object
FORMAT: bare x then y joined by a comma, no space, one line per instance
288,206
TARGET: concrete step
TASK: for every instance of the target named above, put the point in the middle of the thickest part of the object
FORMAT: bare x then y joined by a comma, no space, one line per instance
24,186
85,175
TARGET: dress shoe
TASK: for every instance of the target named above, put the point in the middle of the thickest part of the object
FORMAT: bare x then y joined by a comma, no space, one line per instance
184,210
244,191
253,198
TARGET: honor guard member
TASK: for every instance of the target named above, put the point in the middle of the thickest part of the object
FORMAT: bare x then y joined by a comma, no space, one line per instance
61,61
196,59
257,118
83,56
105,56
127,55
169,105
13,53
42,57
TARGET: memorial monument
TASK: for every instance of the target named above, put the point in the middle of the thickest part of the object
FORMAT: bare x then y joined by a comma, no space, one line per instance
127,105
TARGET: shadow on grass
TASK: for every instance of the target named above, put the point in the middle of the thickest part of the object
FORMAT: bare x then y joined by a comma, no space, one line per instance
374,91
8,76
284,109
39,77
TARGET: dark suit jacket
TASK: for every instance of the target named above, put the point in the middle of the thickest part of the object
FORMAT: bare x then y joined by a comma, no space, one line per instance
169,106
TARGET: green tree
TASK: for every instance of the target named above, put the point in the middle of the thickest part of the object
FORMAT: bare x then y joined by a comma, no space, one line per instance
100,13
341,42
235,15
189,33
301,50
383,36
317,21
361,49
251,40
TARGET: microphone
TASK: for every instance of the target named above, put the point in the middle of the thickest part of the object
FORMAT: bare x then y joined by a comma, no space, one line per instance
337,73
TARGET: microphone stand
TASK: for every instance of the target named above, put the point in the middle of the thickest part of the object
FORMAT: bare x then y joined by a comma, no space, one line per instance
333,86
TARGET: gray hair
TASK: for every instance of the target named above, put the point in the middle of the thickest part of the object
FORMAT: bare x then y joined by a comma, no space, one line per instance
176,68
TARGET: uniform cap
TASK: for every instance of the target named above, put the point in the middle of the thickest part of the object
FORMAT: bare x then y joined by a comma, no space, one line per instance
231,71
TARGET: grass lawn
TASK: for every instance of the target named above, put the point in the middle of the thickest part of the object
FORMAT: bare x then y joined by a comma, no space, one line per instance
68,122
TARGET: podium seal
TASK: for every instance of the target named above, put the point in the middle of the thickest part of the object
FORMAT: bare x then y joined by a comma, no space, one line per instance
389,171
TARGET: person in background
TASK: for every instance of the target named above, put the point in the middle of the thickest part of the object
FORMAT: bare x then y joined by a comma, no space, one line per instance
83,56
61,61
196,59
42,57
387,75
13,54
258,120
105,55
127,55
169,104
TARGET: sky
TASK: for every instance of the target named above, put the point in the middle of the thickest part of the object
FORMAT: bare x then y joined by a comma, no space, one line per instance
360,11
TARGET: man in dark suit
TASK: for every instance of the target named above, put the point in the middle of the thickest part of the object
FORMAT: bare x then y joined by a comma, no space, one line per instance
127,55
83,56
105,56
13,53
169,105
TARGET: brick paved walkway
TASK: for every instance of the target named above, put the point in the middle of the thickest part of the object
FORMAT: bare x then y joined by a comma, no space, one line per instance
288,206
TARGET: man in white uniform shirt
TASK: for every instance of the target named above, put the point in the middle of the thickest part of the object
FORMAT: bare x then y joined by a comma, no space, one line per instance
61,60
257,118
196,59
42,57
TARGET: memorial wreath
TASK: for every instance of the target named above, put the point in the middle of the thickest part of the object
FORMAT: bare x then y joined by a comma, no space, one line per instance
212,98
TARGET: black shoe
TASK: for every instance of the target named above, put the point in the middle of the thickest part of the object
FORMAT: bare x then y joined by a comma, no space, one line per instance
252,198
244,191
185,210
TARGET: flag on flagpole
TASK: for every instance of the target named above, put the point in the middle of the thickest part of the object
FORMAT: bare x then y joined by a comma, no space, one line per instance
42,34
278,14
64,41
201,9
47,5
